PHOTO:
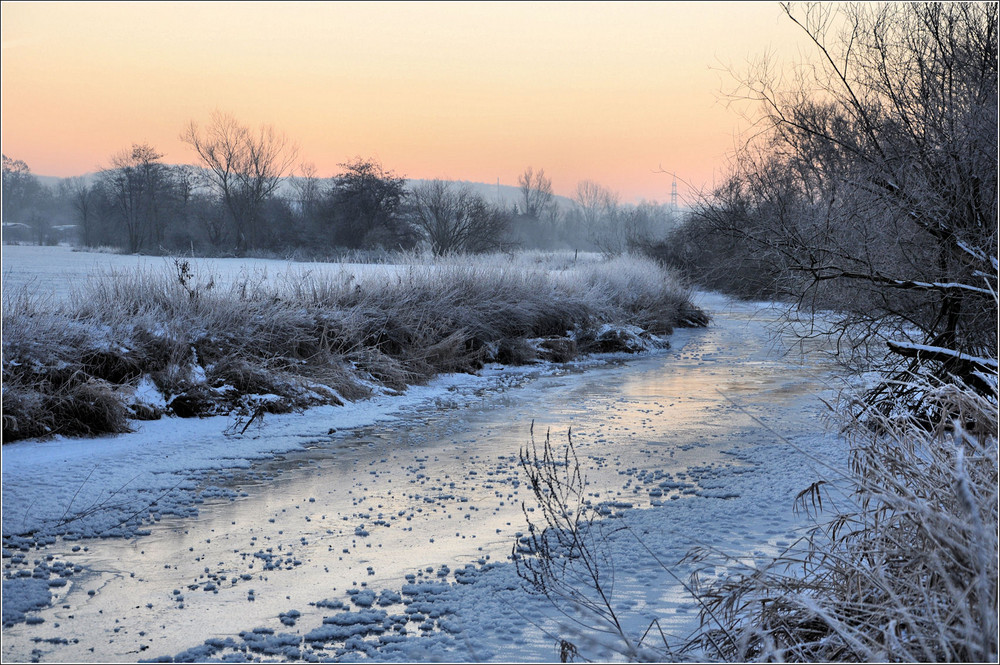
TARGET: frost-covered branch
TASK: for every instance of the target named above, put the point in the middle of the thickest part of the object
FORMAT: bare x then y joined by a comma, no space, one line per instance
941,354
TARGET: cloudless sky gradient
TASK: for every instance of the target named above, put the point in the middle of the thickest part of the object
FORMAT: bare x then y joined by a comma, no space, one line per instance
467,91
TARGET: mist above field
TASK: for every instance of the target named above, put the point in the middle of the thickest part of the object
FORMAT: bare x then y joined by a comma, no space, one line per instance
248,194
498,192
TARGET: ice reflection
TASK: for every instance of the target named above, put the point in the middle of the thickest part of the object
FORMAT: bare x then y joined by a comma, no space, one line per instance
366,508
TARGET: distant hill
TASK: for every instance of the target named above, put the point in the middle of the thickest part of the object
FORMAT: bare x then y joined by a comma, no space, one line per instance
52,181
507,195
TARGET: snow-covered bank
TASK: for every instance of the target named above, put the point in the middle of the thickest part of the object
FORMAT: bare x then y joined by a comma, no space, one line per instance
57,272
88,488
138,344
425,495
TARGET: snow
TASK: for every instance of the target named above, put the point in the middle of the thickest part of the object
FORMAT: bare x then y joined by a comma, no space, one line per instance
70,479
55,272
946,286
147,393
22,595
485,615
942,351
442,597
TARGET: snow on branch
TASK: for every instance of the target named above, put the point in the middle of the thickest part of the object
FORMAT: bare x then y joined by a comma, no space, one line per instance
941,286
941,354
825,273
975,252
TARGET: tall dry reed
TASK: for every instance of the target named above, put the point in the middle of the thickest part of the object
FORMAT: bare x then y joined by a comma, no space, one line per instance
904,566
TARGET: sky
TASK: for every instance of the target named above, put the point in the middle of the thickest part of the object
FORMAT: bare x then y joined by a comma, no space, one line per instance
619,93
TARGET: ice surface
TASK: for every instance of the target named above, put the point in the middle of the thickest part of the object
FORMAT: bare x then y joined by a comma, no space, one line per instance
250,529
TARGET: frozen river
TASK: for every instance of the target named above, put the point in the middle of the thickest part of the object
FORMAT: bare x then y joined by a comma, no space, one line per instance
424,510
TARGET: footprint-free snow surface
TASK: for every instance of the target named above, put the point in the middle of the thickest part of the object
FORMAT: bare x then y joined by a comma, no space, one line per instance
383,530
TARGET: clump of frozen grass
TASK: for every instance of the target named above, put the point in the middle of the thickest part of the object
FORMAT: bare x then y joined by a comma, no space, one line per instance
903,569
906,568
640,290
58,372
308,336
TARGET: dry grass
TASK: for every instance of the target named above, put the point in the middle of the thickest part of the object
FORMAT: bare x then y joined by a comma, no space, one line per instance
307,336
903,567
906,568
79,406
635,286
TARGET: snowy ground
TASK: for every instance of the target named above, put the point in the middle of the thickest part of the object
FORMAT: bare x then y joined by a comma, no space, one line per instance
382,529
54,272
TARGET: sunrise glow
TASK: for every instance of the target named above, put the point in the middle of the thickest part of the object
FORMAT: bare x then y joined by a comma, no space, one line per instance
609,92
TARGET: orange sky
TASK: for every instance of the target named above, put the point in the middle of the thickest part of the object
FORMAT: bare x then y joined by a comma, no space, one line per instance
478,91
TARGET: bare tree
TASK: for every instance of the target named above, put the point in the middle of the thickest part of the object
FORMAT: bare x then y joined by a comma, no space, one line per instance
308,191
244,167
456,220
873,179
135,183
210,215
81,198
186,180
20,188
536,193
308,207
599,210
643,225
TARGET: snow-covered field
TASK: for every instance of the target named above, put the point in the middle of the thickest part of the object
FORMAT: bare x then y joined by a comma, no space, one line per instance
55,272
382,529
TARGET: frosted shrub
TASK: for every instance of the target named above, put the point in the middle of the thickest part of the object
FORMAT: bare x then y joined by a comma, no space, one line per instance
636,288
906,568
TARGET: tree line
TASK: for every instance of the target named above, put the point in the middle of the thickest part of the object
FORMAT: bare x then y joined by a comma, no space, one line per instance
247,194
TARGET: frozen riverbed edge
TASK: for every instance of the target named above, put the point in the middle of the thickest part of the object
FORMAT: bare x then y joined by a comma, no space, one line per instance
494,602
83,488
486,613
112,486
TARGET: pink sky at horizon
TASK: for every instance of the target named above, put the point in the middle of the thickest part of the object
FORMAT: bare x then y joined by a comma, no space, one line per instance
466,91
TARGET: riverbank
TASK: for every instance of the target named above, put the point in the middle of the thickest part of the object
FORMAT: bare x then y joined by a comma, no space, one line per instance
182,341
435,486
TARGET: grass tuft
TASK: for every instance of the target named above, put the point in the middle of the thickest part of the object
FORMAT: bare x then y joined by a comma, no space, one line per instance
306,336
905,567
